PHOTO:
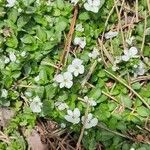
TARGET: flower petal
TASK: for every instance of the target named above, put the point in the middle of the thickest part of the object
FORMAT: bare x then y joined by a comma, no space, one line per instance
62,84
59,78
68,76
76,112
133,51
68,84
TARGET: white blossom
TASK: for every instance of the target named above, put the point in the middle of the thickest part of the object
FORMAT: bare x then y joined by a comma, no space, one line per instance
130,40
74,2
37,78
79,27
6,60
10,3
4,93
92,5
90,121
76,67
23,54
64,80
94,54
81,41
131,53
12,56
140,70
110,35
73,116
36,105
61,105
90,101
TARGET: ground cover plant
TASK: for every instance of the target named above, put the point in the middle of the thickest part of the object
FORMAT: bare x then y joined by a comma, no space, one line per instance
83,64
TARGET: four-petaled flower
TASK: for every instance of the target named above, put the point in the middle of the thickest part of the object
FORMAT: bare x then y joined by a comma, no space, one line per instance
76,67
64,80
92,5
61,105
36,105
90,101
110,35
11,3
89,121
73,116
81,41
131,53
94,54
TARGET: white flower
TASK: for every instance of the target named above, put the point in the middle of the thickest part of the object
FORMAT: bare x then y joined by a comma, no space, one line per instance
64,79
90,121
11,3
94,54
74,2
4,93
110,35
79,27
140,70
81,41
131,53
90,101
61,105
76,67
130,40
73,116
6,60
23,54
36,105
37,78
92,5
12,56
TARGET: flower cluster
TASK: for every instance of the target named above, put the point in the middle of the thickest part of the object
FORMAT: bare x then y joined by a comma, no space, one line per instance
65,79
74,117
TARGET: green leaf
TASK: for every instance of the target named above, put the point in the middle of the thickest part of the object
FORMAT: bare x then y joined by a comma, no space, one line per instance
142,111
12,41
84,16
27,2
95,93
27,39
41,34
13,14
22,20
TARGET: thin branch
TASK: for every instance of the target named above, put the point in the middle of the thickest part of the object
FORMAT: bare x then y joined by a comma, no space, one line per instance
66,50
